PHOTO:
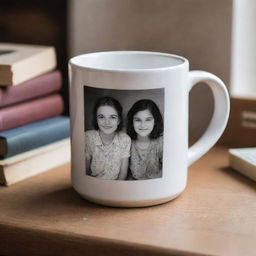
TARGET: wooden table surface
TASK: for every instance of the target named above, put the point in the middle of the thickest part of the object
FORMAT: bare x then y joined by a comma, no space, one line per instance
216,215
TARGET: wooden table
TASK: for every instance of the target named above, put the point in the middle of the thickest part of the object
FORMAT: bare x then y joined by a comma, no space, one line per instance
216,215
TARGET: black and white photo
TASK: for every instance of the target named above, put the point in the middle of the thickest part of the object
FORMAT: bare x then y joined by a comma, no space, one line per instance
123,133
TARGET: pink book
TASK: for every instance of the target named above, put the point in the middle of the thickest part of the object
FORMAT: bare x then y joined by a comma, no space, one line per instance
30,111
33,88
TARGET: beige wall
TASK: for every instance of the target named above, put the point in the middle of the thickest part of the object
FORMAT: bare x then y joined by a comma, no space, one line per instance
199,30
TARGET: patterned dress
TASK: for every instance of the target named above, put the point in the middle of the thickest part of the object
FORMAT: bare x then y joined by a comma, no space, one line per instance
147,163
105,160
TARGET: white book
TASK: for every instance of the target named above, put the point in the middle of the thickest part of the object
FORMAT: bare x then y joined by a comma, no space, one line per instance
28,164
243,160
21,62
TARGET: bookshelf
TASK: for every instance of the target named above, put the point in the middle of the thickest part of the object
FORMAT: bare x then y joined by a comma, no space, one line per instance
214,216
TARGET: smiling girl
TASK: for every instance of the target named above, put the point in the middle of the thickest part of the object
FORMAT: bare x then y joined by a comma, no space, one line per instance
145,127
107,148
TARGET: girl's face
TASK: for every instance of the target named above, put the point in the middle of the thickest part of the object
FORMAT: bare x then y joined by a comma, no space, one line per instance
107,119
143,123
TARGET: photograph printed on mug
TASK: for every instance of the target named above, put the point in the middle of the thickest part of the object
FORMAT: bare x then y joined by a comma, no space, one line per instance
123,133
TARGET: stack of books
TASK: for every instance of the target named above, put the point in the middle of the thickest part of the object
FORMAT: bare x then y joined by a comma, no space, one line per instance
34,136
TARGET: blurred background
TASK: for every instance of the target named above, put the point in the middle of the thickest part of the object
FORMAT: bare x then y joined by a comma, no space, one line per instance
200,30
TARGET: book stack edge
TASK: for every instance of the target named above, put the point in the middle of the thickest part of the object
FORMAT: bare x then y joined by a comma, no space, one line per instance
243,160
34,136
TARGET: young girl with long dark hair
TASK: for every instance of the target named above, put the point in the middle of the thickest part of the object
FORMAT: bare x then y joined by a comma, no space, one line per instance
145,127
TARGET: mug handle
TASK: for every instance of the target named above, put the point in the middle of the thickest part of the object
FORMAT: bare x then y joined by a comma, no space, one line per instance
220,113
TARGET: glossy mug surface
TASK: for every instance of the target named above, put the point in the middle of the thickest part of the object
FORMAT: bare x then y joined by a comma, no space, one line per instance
129,125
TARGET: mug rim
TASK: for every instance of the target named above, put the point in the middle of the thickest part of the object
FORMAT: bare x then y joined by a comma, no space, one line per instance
74,61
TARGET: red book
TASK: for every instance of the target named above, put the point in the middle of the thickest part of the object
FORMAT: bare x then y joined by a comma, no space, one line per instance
30,111
33,88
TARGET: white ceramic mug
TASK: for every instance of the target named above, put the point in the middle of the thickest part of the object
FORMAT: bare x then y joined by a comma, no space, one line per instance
110,164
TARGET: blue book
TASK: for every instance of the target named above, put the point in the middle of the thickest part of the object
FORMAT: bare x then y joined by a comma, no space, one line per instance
33,135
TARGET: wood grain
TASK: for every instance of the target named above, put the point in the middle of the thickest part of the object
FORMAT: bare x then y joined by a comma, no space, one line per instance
215,215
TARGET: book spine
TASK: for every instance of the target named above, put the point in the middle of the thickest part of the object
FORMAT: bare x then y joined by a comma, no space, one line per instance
33,88
37,164
38,136
38,64
30,111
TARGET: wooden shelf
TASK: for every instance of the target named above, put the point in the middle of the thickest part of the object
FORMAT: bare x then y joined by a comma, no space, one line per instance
214,216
